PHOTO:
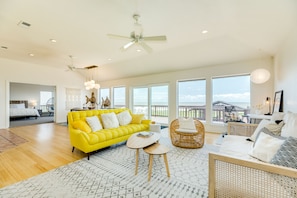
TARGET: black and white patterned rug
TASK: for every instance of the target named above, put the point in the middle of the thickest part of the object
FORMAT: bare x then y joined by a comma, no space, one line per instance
110,173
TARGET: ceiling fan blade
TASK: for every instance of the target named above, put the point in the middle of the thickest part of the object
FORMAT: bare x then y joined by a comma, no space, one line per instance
125,47
155,38
115,36
146,47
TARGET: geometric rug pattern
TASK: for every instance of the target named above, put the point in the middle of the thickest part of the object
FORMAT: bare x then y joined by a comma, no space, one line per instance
9,140
110,173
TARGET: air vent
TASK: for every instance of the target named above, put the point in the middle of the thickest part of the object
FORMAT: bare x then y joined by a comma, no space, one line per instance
24,24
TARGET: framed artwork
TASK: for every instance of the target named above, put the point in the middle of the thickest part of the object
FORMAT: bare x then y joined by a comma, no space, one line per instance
278,101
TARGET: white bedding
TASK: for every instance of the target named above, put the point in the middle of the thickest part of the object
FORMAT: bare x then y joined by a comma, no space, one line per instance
19,112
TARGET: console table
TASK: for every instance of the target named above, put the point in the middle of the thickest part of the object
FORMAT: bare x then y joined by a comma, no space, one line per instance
256,118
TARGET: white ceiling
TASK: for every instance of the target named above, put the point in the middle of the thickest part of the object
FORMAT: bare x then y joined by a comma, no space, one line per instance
237,30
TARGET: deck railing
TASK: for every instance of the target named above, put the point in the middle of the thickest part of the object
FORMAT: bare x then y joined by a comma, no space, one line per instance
218,113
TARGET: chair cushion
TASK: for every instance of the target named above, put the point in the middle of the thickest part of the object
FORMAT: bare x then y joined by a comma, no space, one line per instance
186,130
186,123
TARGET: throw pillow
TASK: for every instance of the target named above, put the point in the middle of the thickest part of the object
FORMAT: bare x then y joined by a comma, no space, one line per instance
275,128
186,123
81,125
265,147
124,117
137,118
260,126
290,127
286,155
110,120
94,123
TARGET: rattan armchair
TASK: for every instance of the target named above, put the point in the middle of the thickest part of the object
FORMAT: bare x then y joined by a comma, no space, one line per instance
187,140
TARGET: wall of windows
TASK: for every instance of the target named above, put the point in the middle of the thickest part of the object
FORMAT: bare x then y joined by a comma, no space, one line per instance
206,76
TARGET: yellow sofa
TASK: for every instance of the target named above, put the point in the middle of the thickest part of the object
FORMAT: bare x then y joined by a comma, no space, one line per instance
82,138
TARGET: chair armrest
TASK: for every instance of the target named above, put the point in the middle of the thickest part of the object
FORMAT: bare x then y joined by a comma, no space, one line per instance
233,177
242,129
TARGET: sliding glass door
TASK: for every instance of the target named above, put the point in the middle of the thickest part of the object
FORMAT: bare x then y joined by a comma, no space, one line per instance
151,101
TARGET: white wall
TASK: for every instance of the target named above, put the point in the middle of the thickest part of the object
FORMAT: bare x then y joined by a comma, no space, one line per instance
258,92
286,71
14,71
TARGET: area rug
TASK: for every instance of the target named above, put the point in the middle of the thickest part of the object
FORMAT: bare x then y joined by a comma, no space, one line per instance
9,140
110,173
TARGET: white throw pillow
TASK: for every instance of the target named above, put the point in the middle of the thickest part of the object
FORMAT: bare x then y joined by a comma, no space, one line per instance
124,118
94,123
290,127
186,123
265,147
260,126
110,120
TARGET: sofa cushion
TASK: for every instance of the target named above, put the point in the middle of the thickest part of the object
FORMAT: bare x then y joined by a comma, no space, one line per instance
287,154
290,127
266,146
94,123
81,125
124,118
109,120
136,118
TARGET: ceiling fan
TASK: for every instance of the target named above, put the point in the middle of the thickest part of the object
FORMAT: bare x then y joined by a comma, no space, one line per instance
71,67
136,37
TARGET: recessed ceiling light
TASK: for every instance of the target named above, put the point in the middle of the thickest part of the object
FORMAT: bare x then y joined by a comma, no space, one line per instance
53,40
204,32
109,59
31,54
138,50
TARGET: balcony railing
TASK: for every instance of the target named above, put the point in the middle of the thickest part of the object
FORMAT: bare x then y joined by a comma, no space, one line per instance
219,113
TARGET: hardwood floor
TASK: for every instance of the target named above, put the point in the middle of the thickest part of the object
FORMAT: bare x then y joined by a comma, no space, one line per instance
48,147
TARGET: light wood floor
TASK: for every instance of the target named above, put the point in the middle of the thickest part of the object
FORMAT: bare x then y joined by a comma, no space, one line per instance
48,147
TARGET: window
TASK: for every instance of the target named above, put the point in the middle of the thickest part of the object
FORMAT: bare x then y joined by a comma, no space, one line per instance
231,98
104,93
159,104
152,101
45,96
192,99
119,97
140,100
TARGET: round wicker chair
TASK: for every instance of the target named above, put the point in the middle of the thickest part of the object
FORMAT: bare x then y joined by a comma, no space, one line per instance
187,140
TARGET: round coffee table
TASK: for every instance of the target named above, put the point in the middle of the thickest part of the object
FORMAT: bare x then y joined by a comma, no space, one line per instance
138,141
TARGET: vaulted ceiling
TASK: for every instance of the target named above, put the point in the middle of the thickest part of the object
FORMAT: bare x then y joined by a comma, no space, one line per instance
237,30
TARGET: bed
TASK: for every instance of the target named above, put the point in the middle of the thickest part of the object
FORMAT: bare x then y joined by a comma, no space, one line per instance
19,109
